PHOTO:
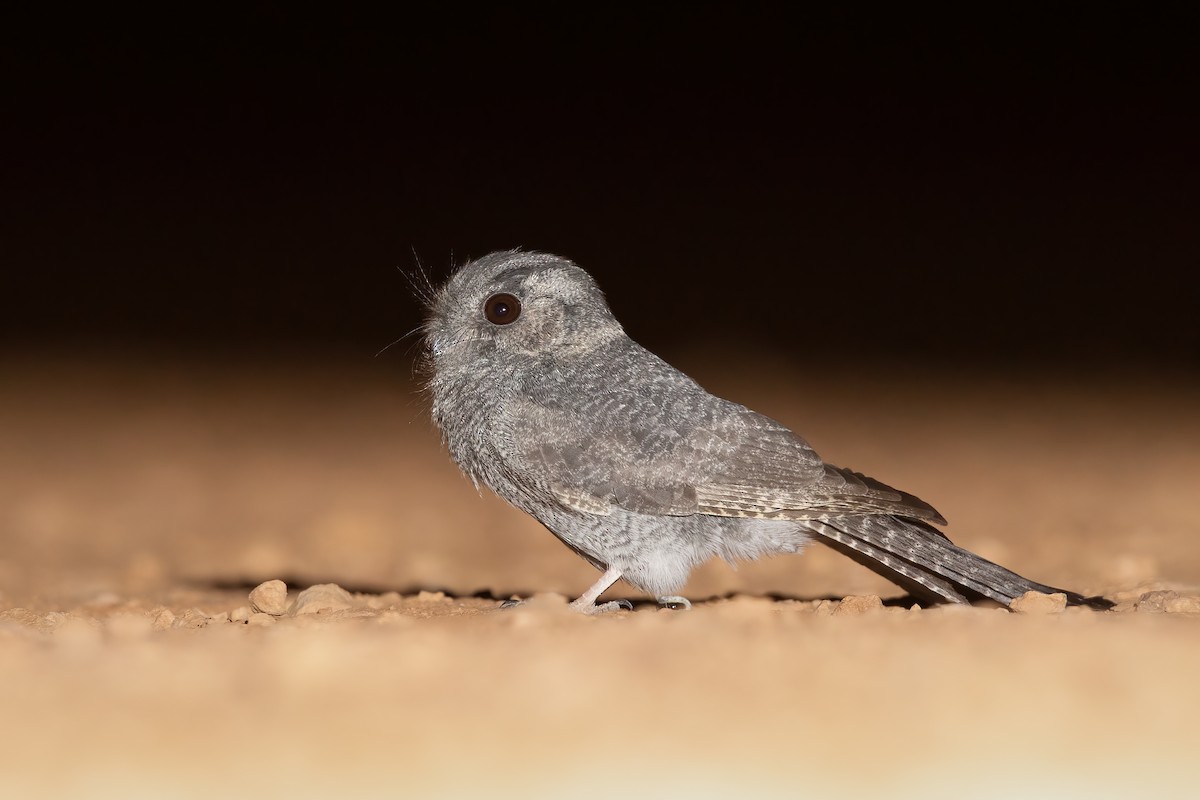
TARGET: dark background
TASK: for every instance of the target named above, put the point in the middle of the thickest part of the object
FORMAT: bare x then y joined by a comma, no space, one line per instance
951,190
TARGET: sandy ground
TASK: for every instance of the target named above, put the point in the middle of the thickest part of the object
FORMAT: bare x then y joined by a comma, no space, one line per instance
141,503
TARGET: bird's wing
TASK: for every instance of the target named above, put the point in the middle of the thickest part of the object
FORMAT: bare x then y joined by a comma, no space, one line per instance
771,473
838,492
713,457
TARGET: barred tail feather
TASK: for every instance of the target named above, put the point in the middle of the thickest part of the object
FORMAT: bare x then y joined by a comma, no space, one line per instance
920,558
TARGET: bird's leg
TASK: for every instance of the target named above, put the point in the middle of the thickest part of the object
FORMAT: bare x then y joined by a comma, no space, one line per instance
675,602
586,604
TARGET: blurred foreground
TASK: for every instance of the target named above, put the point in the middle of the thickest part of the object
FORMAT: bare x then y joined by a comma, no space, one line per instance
140,503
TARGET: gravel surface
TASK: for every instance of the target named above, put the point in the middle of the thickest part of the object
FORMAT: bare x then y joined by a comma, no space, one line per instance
239,579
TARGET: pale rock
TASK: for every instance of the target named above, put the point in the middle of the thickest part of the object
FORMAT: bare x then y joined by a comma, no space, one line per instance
1156,602
323,597
858,605
1182,605
1038,603
164,618
23,617
271,598
191,618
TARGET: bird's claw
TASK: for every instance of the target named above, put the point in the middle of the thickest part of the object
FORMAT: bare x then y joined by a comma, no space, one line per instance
595,608
603,608
675,603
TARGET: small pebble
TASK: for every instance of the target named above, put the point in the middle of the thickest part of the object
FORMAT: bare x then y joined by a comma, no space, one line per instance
270,598
323,597
1156,602
240,614
163,618
1038,603
191,618
260,620
825,608
858,605
1182,605
24,617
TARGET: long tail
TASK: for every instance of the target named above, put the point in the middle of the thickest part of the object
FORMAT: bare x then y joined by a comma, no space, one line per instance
919,557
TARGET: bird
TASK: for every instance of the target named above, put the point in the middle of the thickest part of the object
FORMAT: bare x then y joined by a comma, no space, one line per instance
541,396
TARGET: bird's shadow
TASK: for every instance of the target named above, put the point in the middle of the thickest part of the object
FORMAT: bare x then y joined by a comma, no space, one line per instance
408,590
296,582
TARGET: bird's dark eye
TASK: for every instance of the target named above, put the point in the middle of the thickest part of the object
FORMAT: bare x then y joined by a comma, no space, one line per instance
502,309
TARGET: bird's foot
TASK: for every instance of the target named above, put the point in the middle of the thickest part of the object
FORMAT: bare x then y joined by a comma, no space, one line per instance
675,603
590,607
581,607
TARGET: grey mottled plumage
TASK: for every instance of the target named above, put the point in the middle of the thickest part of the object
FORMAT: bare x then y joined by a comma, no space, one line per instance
542,397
